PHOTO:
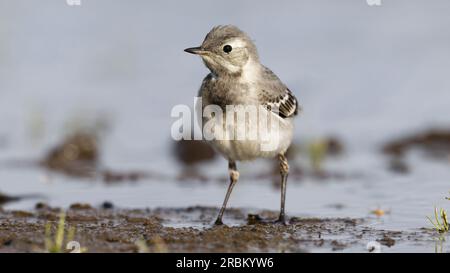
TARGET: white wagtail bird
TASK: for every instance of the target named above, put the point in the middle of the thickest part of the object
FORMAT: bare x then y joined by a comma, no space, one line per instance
238,78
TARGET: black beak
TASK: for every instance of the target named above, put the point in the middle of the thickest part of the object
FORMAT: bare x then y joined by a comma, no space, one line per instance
195,50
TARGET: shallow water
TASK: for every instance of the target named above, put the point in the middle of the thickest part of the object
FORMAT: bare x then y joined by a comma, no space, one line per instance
366,74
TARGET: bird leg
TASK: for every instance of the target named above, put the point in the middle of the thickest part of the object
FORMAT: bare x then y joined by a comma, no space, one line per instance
234,176
284,171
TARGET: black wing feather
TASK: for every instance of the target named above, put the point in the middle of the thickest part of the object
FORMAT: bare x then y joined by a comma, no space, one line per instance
285,105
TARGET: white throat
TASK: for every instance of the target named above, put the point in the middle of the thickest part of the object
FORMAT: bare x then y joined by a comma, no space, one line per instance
250,71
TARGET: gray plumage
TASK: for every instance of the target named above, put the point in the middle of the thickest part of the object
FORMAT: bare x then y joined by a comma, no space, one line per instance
271,92
238,78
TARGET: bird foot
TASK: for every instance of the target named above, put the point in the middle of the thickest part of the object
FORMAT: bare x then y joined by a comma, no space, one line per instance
256,219
281,221
218,222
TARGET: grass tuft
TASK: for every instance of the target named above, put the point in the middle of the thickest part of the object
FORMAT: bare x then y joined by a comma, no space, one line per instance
157,245
441,221
56,244
317,151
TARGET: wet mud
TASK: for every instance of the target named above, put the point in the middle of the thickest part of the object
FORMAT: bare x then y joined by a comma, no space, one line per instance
107,229
7,198
433,144
77,155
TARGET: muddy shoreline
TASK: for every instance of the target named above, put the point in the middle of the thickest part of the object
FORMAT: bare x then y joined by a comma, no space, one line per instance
109,229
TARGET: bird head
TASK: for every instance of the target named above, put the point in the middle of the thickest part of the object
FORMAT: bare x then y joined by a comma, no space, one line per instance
226,50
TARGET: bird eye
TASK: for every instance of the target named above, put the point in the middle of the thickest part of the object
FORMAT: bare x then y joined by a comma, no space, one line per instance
227,49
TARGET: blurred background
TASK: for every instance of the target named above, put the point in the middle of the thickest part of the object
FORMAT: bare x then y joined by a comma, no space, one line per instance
86,94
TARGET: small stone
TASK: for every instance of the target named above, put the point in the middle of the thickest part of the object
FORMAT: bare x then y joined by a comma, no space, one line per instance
107,205
80,206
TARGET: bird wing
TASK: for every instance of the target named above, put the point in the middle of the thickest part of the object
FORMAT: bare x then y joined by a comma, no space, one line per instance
276,97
